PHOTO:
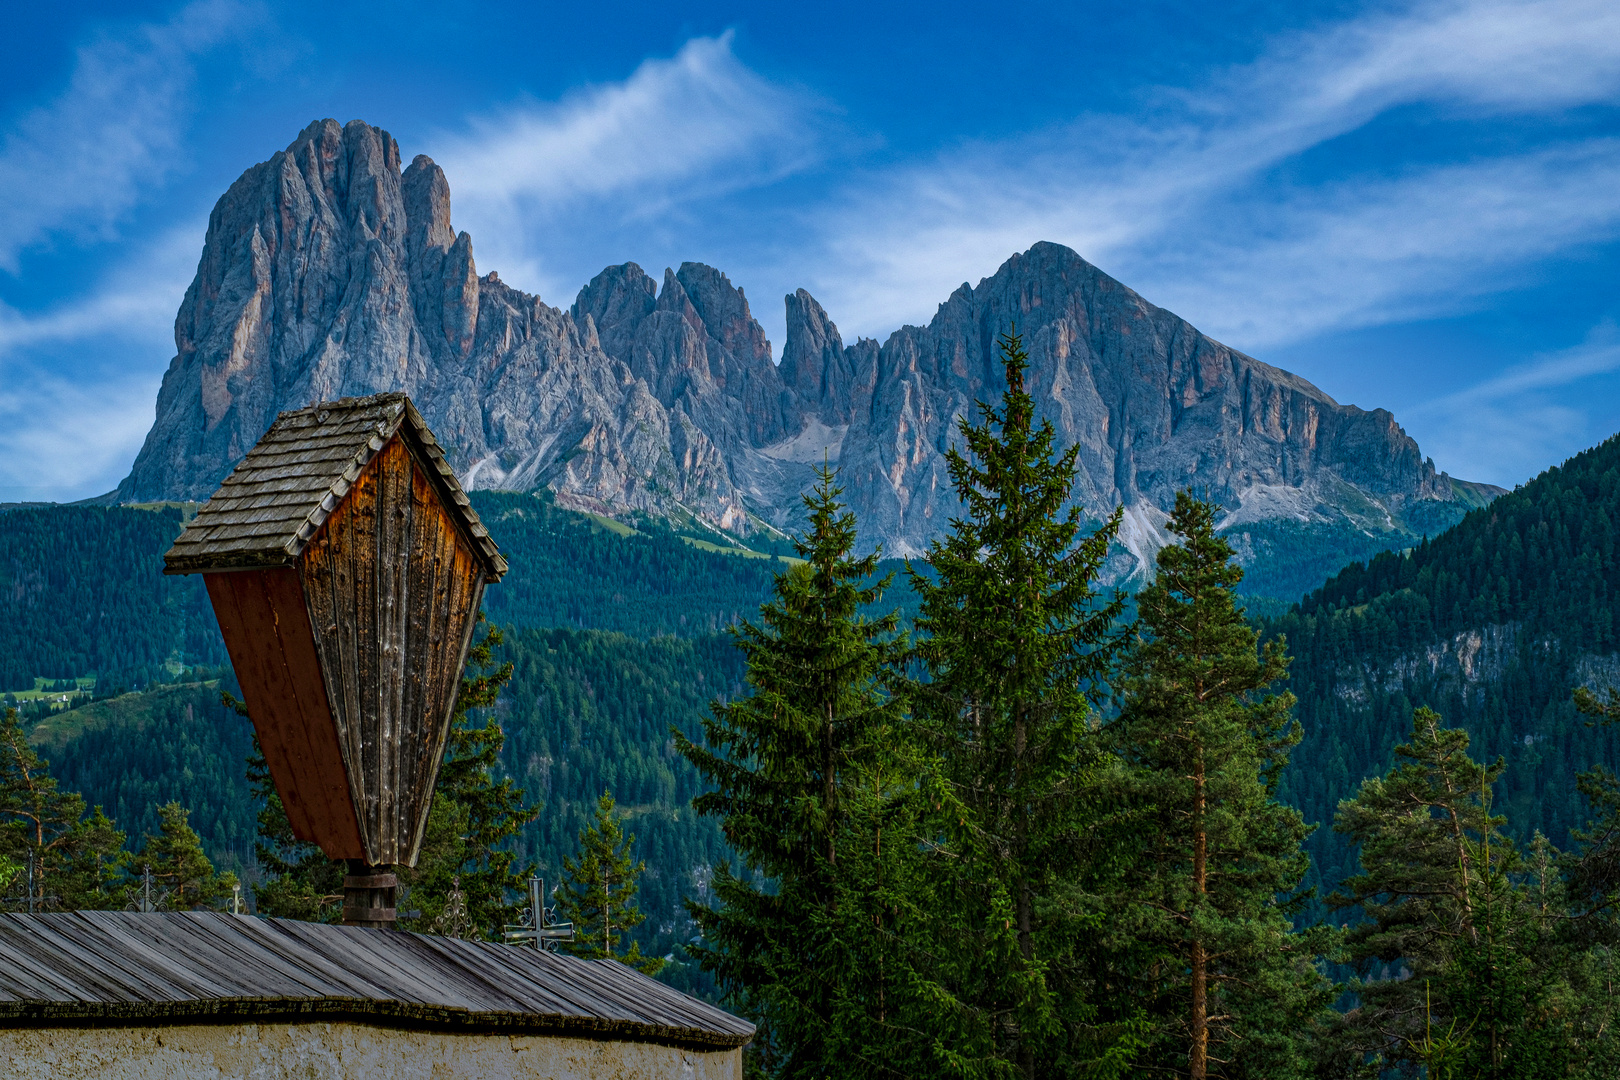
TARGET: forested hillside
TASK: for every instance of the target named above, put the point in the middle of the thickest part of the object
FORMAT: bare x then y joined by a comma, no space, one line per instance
588,712
569,570
131,754
1491,624
82,592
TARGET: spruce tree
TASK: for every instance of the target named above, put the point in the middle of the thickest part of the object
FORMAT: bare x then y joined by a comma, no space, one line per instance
809,770
1462,967
1014,640
67,860
175,858
1203,743
598,893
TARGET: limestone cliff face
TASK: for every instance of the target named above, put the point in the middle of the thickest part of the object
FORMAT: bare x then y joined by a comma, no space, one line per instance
1154,405
329,270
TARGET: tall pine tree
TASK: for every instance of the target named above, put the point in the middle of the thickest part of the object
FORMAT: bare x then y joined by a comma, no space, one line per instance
807,771
1203,742
1013,639
598,893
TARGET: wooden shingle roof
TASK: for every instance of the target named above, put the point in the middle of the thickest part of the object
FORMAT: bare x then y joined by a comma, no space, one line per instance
98,967
281,493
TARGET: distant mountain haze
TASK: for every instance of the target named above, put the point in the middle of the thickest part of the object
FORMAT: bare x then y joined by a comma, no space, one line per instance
330,270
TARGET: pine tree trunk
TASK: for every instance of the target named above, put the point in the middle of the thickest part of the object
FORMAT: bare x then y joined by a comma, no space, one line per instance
1198,1054
1026,947
828,793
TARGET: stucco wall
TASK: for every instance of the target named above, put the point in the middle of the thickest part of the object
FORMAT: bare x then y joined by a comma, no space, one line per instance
339,1051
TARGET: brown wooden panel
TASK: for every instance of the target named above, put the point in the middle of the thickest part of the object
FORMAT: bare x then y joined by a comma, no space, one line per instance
392,586
267,631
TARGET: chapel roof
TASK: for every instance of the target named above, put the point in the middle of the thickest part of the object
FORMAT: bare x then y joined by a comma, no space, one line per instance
131,968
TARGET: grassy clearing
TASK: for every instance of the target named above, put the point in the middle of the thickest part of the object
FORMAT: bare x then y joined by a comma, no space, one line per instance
747,553
131,711
611,525
40,693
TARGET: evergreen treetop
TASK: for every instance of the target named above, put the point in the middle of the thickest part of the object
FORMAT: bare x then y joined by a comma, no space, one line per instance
598,893
175,857
1013,643
815,782
1468,963
1220,860
781,758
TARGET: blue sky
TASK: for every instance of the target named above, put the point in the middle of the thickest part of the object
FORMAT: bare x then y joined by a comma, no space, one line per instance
1416,206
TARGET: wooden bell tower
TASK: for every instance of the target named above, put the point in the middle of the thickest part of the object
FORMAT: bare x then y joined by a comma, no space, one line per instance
346,567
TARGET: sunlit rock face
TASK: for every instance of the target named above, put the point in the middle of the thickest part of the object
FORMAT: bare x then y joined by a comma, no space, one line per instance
331,270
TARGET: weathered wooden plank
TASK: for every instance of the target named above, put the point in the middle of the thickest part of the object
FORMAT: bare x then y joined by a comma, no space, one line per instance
342,638
267,632
361,561
421,662
394,543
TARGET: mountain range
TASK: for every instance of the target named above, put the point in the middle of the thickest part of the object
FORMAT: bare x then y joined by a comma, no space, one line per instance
332,269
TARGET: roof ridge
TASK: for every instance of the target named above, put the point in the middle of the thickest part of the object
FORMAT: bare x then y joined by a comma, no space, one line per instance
252,520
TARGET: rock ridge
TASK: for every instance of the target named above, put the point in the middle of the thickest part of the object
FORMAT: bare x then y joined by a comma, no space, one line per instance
330,270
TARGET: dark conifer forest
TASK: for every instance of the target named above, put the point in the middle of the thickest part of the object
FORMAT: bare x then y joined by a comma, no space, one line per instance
84,592
996,821
1492,624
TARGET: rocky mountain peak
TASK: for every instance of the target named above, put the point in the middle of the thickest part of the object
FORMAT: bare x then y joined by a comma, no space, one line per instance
328,270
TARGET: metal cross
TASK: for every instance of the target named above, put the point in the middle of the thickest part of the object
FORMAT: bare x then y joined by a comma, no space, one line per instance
148,898
537,930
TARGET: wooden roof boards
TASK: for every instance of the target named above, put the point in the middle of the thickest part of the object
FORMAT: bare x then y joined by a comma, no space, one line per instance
282,492
97,967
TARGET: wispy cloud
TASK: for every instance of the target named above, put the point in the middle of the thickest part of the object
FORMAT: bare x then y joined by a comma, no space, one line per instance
64,439
1508,427
78,380
79,162
1184,200
692,126
135,301
1424,245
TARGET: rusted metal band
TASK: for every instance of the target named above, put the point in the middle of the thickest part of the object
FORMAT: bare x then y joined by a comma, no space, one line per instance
371,881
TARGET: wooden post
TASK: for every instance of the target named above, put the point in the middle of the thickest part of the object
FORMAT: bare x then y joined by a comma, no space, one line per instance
370,895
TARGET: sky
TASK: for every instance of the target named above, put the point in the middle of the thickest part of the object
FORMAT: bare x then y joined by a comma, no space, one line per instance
1414,205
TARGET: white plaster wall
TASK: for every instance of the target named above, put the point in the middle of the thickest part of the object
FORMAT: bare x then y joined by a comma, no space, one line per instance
339,1051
